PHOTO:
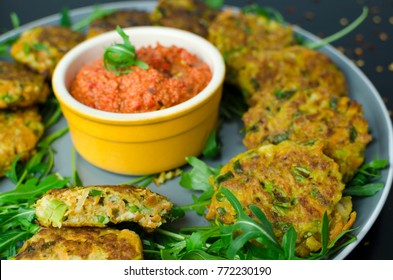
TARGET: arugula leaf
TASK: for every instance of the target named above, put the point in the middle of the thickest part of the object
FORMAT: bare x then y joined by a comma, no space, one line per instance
32,188
76,178
95,14
212,147
15,20
364,190
65,19
361,185
198,177
215,4
267,12
339,34
289,243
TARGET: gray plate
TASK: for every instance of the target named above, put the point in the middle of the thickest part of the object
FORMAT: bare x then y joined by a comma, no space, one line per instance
360,89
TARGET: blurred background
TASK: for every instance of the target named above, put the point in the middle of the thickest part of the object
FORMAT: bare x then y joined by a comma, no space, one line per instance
370,47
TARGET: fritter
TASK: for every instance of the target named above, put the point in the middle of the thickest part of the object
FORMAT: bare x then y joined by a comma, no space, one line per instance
122,18
19,134
41,48
97,206
293,184
289,69
82,244
191,15
238,35
311,115
20,87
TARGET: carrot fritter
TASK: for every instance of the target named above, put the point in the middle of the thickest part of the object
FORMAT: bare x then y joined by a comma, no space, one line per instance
293,184
40,48
311,115
82,244
289,69
191,15
19,134
20,87
238,35
122,18
97,206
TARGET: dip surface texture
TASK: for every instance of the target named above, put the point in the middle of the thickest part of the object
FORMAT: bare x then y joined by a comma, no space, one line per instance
174,76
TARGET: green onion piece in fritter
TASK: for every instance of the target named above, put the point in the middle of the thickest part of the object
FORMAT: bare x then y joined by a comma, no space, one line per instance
284,94
133,208
103,219
224,177
94,192
54,212
353,134
237,167
276,139
120,57
300,173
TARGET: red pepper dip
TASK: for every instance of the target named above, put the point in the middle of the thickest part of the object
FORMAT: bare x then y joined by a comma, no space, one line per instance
174,76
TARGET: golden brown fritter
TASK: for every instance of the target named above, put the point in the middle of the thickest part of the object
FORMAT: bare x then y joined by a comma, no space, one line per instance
20,87
41,48
238,35
311,115
19,134
82,244
191,15
293,184
122,18
96,206
289,69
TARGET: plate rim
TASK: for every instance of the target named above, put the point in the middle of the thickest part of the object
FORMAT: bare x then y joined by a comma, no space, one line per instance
308,35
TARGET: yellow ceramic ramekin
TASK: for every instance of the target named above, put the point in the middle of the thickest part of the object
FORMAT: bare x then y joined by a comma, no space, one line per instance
140,143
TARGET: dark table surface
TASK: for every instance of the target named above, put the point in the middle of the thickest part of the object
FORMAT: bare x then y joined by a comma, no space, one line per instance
370,46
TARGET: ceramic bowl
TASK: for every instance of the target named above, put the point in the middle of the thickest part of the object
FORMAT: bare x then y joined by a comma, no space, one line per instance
140,143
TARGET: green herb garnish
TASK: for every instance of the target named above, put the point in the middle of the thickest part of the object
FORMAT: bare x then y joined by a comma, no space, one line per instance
120,57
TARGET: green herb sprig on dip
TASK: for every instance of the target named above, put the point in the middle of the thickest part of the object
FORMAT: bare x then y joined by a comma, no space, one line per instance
120,57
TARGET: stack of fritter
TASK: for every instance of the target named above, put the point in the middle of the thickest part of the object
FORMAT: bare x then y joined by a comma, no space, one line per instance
77,222
306,136
25,84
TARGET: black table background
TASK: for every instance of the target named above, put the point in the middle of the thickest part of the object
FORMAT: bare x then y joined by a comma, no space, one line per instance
370,46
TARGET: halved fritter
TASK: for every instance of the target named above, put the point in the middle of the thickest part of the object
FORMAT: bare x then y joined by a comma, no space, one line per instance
311,115
20,87
122,18
82,244
289,69
191,15
19,134
96,206
238,35
41,48
293,184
